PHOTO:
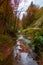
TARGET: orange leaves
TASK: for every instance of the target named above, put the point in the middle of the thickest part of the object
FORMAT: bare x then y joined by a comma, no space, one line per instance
2,8
5,5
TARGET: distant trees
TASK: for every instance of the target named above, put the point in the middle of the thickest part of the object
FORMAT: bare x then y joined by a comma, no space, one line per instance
30,17
39,13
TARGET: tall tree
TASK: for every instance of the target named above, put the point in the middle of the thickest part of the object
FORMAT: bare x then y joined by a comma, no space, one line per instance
30,17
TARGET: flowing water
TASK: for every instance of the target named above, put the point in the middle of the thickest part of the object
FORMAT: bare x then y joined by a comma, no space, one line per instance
19,57
24,58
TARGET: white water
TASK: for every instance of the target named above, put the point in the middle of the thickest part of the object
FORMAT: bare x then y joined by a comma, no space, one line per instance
25,58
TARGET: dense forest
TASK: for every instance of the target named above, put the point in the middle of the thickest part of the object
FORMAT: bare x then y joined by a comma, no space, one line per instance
31,26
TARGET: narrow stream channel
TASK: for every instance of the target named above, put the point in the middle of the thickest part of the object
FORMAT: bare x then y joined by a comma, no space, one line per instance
22,58
20,55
